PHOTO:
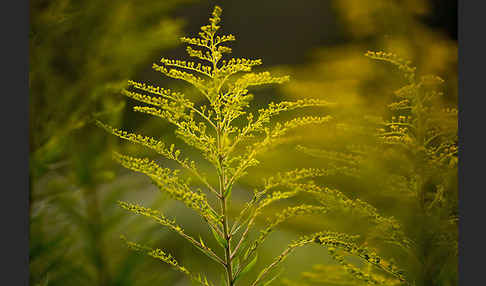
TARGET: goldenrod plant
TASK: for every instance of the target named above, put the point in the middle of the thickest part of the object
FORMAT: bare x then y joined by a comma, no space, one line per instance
362,89
420,138
425,131
231,138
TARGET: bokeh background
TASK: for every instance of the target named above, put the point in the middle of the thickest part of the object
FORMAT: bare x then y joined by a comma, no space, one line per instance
82,52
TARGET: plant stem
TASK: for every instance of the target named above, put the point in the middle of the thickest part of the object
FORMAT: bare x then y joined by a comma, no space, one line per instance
222,198
228,258
223,186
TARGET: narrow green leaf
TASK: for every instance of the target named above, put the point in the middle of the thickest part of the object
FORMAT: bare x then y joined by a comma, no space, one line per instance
201,241
206,252
236,264
247,252
221,241
243,246
227,194
247,268
216,216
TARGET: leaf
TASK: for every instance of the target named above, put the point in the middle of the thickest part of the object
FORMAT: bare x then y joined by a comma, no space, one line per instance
227,194
215,215
206,252
247,268
236,264
201,241
221,241
243,245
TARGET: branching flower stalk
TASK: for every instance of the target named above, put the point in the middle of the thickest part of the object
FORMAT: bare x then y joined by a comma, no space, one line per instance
427,132
210,128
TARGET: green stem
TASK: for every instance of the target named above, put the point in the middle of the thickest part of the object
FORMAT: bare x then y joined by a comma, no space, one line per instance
222,178
228,258
222,198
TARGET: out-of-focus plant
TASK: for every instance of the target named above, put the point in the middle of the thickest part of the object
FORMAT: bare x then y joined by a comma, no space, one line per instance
420,145
425,131
219,127
81,52
361,89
